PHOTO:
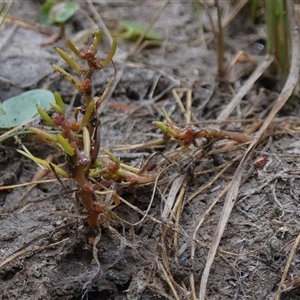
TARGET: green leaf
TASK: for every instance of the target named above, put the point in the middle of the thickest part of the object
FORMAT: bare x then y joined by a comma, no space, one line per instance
62,12
20,109
134,30
46,164
2,112
45,12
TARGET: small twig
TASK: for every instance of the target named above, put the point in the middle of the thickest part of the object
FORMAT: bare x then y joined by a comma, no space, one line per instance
34,251
8,187
48,30
166,275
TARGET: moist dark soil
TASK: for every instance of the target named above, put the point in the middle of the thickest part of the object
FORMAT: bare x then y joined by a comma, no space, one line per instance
46,247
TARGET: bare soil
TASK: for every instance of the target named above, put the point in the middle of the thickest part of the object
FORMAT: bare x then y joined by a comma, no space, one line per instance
46,251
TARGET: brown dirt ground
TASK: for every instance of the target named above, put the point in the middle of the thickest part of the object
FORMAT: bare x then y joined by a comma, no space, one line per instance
47,248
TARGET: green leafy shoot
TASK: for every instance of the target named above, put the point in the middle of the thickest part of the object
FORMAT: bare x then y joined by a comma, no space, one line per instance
20,109
134,30
46,164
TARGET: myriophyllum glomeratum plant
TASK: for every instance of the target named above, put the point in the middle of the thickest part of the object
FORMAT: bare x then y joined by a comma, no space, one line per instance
79,137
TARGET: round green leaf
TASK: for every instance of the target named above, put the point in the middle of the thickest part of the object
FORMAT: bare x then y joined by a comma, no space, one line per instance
20,109
62,12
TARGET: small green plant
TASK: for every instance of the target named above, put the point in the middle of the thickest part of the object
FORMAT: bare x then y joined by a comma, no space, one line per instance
188,136
133,30
79,138
58,12
96,170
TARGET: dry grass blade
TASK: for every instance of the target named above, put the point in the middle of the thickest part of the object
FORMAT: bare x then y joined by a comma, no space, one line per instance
177,211
246,87
139,146
193,248
286,92
9,187
176,185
